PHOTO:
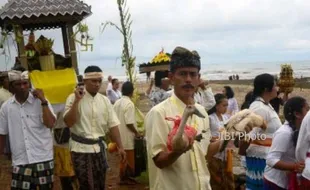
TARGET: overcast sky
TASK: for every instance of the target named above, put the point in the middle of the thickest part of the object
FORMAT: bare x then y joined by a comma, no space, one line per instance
222,31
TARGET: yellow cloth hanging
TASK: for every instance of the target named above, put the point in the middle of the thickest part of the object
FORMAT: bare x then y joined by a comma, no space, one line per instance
56,84
63,162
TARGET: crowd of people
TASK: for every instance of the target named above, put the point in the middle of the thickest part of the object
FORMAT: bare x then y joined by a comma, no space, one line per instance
45,148
276,162
69,140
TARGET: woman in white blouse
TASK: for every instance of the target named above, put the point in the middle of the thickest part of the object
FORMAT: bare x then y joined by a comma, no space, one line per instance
219,177
303,151
232,102
281,163
264,90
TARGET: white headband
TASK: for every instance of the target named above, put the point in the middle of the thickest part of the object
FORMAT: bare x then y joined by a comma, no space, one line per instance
93,75
18,75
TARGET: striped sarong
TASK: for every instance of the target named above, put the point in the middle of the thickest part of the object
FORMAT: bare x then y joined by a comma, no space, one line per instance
33,176
255,173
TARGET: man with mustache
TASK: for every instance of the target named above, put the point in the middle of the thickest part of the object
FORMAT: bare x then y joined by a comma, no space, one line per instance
186,169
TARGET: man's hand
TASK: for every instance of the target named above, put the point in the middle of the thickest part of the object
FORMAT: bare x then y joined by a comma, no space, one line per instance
299,167
38,93
122,154
202,84
138,135
187,148
79,93
190,146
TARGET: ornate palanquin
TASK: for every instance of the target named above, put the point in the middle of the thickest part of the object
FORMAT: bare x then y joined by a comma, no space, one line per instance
159,63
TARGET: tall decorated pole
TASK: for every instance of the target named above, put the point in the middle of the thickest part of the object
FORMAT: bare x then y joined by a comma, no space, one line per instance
128,60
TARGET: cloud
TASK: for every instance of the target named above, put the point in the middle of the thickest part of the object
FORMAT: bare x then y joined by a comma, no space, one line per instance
220,30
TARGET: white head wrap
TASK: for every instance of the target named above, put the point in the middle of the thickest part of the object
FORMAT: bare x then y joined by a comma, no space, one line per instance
18,75
93,75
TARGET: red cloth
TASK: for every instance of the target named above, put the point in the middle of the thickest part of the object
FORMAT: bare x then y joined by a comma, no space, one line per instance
189,131
305,184
292,181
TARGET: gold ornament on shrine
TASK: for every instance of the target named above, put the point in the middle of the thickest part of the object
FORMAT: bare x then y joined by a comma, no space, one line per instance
286,82
83,31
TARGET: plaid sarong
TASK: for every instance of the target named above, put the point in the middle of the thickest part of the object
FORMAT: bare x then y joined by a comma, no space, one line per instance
33,176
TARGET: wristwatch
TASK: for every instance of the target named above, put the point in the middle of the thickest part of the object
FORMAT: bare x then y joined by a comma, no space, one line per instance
45,103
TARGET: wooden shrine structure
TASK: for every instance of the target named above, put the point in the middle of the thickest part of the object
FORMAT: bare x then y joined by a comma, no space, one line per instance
31,15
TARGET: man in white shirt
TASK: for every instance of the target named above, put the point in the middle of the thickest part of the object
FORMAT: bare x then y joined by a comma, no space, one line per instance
27,118
109,87
124,109
114,94
90,116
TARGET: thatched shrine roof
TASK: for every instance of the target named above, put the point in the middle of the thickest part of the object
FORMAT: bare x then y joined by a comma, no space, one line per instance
43,14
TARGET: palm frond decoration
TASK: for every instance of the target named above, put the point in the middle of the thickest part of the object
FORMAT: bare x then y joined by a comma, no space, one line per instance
128,60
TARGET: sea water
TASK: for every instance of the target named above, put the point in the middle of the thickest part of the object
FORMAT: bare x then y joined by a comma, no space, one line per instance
222,71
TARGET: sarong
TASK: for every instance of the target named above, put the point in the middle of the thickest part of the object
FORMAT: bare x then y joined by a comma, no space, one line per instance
63,162
220,178
90,170
37,176
304,184
140,156
268,185
255,173
127,169
293,181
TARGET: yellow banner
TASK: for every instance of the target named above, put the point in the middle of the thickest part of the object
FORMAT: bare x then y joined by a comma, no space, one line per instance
56,84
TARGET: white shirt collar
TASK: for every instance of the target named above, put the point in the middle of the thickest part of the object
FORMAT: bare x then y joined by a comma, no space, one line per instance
30,99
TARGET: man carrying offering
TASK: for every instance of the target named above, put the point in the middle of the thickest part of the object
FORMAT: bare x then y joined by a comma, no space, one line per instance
177,158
